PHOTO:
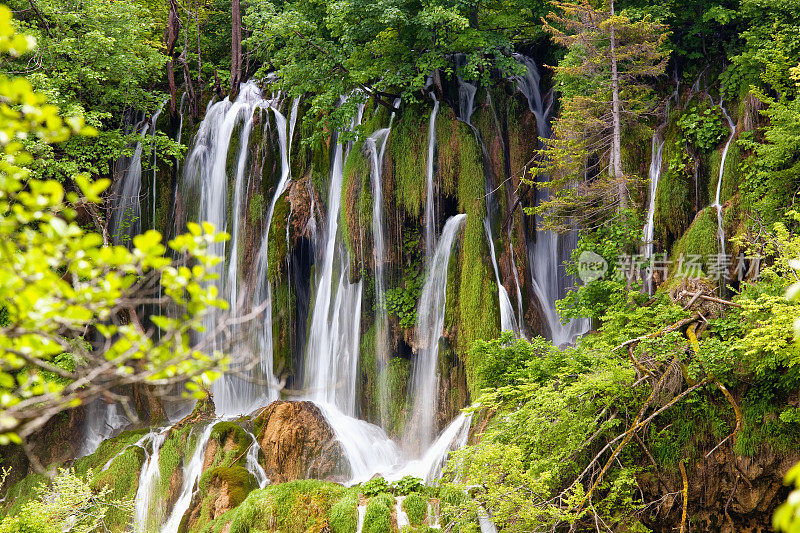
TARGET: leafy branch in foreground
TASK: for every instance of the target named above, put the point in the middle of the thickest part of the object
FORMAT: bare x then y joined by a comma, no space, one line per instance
69,306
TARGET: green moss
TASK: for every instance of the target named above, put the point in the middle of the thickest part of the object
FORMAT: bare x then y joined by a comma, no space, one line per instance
406,158
287,507
416,507
355,216
675,192
343,517
700,238
278,248
378,516
256,207
107,450
122,478
283,306
22,492
398,372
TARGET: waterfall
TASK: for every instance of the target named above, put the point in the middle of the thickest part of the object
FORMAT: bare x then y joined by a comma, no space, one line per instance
191,475
154,163
263,290
547,255
429,467
102,422
656,150
253,466
507,320
430,212
517,285
379,258
430,320
717,205
147,509
125,219
331,371
402,517
206,179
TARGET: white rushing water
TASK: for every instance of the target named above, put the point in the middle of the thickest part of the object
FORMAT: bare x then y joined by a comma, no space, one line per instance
508,321
429,467
207,181
125,218
717,204
421,426
375,146
332,351
148,510
546,256
656,151
253,466
191,475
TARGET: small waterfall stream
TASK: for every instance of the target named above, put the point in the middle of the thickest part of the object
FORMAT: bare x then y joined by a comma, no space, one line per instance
430,320
125,219
508,321
717,205
656,151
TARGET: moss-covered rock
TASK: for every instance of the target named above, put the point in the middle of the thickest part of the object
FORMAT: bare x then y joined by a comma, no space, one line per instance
416,507
285,507
224,489
343,516
298,443
122,479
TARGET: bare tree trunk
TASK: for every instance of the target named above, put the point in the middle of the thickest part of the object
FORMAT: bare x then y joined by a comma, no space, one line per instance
236,47
616,143
170,39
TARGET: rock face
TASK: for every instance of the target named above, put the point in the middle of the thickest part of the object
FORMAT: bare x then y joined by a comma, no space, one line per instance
298,443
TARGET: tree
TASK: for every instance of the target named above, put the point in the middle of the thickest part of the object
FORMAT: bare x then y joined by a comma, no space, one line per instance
382,49
69,306
604,85
236,46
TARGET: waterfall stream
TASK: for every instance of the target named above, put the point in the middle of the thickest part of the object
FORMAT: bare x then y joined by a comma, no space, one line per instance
656,151
546,256
507,320
717,205
430,320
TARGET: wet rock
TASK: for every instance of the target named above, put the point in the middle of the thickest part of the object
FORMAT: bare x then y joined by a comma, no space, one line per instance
298,443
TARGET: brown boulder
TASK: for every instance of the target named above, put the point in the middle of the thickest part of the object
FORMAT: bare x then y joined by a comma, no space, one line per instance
298,443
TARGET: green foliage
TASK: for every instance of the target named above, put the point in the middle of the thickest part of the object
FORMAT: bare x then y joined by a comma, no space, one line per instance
374,486
60,281
703,127
331,49
611,241
401,301
69,504
406,485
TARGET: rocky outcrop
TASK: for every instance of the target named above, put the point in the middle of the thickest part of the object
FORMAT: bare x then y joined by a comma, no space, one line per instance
298,443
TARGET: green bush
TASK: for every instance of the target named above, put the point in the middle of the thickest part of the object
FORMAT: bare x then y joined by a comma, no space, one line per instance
407,485
378,517
343,517
375,486
416,507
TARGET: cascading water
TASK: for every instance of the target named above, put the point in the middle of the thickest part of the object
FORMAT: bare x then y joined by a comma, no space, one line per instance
253,466
147,508
379,259
332,351
191,475
508,321
547,255
125,219
717,205
207,181
657,149
430,320
154,164
429,466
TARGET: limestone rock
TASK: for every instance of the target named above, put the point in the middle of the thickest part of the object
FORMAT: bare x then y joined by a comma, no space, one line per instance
298,443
